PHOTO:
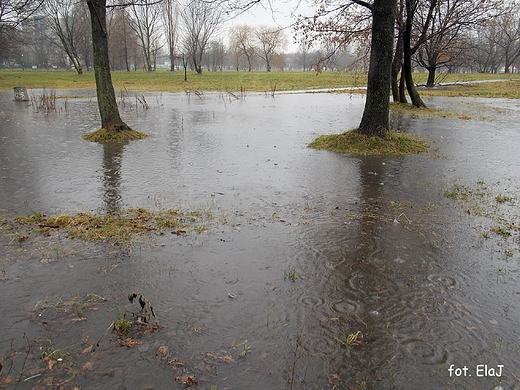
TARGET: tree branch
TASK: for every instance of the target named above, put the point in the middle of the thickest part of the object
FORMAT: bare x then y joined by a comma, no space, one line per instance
363,3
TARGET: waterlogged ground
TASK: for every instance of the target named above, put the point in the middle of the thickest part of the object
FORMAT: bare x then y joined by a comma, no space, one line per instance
304,269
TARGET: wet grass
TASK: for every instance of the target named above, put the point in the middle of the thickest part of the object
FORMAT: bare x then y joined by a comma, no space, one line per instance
494,202
116,228
104,136
355,143
261,81
291,274
162,80
412,111
502,89
76,306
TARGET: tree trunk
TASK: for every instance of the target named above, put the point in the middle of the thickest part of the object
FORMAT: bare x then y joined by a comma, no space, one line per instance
397,66
110,119
172,59
402,89
375,120
431,77
407,64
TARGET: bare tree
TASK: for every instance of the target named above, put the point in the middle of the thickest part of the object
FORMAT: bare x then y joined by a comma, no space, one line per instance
442,26
336,26
242,43
484,53
216,55
84,36
14,12
303,56
270,41
509,37
64,22
171,28
145,23
124,49
201,20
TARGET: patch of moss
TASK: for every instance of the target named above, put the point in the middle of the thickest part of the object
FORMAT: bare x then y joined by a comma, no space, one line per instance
355,143
104,136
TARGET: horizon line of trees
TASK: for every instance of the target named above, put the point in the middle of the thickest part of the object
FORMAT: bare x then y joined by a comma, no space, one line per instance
58,36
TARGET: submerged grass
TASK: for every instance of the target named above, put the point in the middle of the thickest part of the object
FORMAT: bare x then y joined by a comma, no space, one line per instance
104,136
355,143
116,227
407,109
495,202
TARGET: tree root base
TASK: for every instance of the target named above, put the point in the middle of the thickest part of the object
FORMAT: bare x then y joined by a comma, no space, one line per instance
355,143
104,136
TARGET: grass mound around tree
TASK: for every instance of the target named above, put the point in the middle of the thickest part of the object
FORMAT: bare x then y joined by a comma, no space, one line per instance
355,143
104,136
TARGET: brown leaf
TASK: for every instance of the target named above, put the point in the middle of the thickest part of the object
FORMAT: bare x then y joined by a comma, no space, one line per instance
88,366
227,359
162,350
128,342
50,363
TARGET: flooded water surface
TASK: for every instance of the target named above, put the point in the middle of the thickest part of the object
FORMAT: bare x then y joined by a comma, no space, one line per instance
311,269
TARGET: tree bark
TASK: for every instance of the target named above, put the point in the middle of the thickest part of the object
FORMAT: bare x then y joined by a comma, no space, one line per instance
375,120
407,63
110,118
397,64
402,89
431,77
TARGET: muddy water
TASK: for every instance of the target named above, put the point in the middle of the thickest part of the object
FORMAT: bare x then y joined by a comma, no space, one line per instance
319,270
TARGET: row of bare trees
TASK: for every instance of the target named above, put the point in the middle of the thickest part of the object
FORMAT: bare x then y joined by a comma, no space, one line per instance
265,42
481,36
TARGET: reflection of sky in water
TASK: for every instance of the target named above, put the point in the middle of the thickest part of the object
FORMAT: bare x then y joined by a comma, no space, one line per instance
253,151
256,147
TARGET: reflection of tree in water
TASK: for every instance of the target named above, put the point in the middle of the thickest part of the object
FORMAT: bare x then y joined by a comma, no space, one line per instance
112,158
371,174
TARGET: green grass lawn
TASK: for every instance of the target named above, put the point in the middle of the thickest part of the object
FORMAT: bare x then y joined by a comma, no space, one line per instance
246,81
174,81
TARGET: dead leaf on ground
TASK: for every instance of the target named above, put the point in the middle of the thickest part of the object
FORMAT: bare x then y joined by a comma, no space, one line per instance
186,380
216,356
162,350
128,342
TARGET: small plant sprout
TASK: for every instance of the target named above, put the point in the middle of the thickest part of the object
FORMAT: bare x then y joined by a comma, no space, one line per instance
350,339
122,325
246,350
291,274
245,347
